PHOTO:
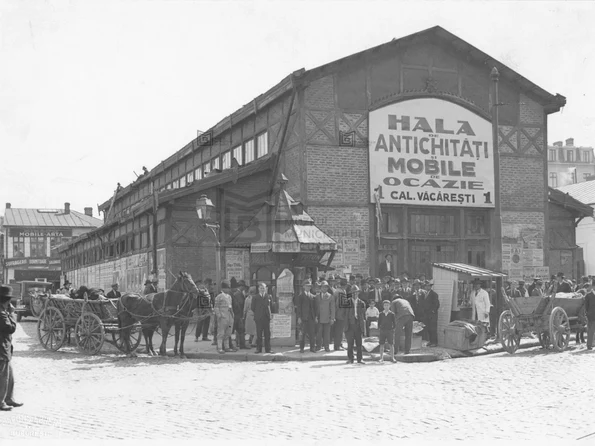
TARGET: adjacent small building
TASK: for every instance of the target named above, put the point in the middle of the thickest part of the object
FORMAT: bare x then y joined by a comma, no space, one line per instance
569,164
565,252
585,230
31,236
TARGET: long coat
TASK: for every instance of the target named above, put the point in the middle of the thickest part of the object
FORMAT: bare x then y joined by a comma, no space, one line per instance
249,324
8,326
480,304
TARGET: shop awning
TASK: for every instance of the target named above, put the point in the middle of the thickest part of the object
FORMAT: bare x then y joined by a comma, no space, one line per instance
473,271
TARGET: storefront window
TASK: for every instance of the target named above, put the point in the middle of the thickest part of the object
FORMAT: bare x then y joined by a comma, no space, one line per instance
476,225
38,247
18,247
421,224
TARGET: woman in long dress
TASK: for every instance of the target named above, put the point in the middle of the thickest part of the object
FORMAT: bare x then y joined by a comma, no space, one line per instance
249,324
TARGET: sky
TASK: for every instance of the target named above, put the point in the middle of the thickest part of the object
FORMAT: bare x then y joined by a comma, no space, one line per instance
92,91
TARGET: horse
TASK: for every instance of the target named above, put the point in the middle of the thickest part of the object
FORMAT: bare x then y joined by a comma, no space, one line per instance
176,304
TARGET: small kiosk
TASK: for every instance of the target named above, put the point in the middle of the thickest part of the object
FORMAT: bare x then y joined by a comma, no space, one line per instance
453,282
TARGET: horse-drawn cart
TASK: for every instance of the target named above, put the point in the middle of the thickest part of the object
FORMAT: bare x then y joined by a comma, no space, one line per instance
552,318
93,322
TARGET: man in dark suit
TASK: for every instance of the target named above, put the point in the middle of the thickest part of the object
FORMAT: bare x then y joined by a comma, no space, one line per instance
114,293
306,309
238,299
8,326
355,323
387,267
261,306
590,309
431,306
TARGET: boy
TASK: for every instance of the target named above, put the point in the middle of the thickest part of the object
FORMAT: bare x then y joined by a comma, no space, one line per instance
387,323
372,314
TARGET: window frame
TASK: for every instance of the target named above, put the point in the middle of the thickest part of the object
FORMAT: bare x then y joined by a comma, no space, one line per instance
35,241
226,160
249,148
553,176
237,150
259,139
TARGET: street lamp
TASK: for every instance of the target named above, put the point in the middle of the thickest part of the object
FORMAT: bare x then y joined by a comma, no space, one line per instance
204,209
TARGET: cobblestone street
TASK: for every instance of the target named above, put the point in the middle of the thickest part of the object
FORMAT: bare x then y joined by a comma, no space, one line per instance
526,396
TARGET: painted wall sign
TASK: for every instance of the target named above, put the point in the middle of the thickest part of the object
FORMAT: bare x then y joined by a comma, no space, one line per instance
39,232
260,247
30,263
237,262
431,152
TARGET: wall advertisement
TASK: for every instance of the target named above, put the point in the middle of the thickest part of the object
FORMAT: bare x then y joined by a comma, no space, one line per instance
522,252
431,152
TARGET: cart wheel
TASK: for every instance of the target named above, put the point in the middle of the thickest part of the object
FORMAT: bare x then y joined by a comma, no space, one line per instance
89,333
135,338
544,339
36,306
559,329
51,329
508,336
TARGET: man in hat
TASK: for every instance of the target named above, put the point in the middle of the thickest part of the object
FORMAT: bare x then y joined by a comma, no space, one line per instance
338,328
561,285
326,316
262,309
355,323
387,266
523,289
480,303
205,308
114,293
238,300
149,288
8,326
65,288
431,306
307,316
225,316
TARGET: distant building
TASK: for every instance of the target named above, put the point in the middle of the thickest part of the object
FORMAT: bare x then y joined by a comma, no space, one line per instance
30,236
585,230
569,164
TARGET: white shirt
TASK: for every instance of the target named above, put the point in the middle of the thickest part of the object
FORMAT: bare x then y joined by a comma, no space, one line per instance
354,307
480,302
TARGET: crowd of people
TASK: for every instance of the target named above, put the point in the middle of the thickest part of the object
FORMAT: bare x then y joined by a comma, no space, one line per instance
329,311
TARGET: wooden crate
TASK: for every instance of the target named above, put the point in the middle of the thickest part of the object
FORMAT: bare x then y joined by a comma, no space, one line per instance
456,339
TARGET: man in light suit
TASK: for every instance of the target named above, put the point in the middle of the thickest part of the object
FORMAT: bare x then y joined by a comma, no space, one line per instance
387,267
480,303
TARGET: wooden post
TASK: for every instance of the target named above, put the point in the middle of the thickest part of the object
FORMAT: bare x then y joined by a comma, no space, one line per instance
496,233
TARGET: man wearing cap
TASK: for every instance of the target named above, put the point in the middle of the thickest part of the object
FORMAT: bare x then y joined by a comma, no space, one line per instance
522,289
8,326
355,323
238,300
225,317
114,293
306,310
405,316
431,306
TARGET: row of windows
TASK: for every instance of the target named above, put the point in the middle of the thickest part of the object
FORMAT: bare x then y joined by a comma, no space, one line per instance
573,178
244,153
125,244
432,224
37,246
581,155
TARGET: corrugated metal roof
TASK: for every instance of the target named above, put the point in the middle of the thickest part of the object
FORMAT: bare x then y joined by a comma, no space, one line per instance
473,271
584,191
58,219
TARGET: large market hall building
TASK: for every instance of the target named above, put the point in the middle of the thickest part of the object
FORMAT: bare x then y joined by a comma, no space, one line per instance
389,151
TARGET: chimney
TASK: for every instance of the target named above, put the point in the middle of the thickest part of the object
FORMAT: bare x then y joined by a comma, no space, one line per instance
89,212
67,208
7,205
558,143
570,142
